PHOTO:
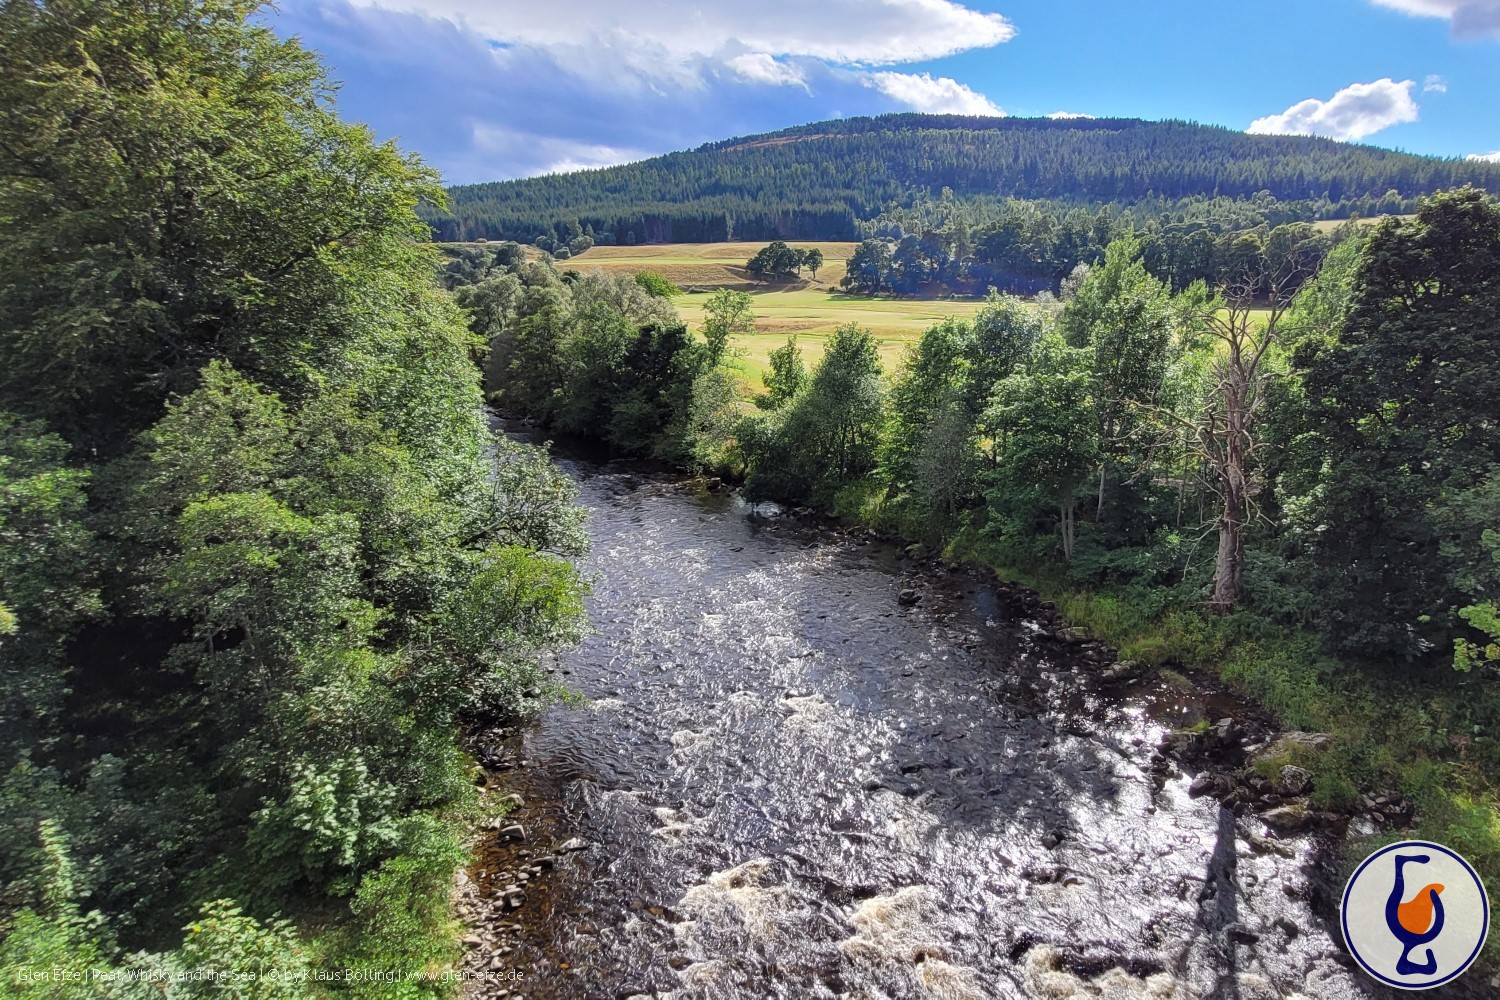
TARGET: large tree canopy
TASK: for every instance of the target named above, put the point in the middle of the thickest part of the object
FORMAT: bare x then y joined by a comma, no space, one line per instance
260,553
1406,396
177,187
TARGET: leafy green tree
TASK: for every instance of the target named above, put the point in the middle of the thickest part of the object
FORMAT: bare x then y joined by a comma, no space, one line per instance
301,555
784,377
777,259
1124,317
712,417
829,433
869,268
1405,398
930,378
48,582
946,379
150,165
657,286
945,473
1042,453
813,261
726,314
845,398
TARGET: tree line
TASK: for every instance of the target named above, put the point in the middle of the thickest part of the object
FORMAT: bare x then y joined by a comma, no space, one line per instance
1025,248
261,557
818,182
778,260
1310,434
1290,476
1222,441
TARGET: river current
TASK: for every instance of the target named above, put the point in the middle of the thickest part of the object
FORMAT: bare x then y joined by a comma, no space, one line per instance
786,781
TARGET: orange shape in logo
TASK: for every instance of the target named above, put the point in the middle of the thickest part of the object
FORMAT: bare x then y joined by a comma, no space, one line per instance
1416,915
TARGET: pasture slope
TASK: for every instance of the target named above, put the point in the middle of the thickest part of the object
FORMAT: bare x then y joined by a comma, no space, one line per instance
811,309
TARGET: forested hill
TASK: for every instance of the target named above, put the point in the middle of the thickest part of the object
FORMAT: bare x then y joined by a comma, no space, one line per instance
818,181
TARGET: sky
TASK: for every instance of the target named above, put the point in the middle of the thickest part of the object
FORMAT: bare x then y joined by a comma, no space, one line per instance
493,89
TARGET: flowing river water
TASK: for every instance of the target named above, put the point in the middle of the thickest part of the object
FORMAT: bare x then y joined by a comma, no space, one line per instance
786,781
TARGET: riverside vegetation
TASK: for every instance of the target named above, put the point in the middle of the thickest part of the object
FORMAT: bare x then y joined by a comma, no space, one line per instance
1290,479
260,554
262,559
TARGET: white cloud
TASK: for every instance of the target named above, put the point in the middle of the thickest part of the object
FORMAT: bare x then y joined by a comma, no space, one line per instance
933,94
1471,18
551,156
1068,114
529,88
1486,157
1358,110
758,67
1434,84
668,36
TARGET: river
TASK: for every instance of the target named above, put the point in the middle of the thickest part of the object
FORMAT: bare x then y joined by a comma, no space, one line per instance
787,782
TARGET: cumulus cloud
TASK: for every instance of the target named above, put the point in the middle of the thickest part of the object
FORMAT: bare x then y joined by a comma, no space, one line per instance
1068,114
552,156
939,95
759,67
1486,157
1358,110
488,89
1434,84
1470,18
669,36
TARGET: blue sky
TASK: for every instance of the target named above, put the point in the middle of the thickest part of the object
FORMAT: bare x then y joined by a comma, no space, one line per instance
490,89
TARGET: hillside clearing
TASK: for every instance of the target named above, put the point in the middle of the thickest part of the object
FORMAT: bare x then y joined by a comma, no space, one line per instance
712,265
813,316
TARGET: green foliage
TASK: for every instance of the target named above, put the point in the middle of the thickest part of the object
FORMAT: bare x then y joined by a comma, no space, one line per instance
260,553
779,260
402,927
931,452
869,268
1043,452
601,356
1467,654
136,174
1403,402
828,434
816,181
48,581
725,314
812,260
657,286
784,377
712,418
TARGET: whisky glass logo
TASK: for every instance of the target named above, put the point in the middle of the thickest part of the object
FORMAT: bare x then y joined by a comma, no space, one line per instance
1415,915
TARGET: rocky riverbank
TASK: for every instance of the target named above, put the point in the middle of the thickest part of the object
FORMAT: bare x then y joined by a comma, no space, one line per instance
815,764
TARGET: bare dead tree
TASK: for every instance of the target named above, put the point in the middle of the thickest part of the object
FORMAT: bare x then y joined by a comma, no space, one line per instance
1228,433
1224,430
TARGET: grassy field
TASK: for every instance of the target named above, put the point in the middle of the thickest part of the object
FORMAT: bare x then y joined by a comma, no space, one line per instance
1329,225
812,315
810,309
711,265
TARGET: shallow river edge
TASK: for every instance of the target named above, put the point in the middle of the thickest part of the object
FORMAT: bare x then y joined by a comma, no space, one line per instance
1234,751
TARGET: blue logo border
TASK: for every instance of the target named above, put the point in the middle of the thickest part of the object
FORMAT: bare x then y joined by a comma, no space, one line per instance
1344,913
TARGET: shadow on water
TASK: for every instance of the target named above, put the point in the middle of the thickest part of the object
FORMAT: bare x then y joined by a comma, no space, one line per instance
787,782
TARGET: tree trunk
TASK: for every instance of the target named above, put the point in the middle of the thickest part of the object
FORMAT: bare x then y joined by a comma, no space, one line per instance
1066,514
1229,565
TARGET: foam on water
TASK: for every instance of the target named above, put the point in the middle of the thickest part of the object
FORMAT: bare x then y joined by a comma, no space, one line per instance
797,788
